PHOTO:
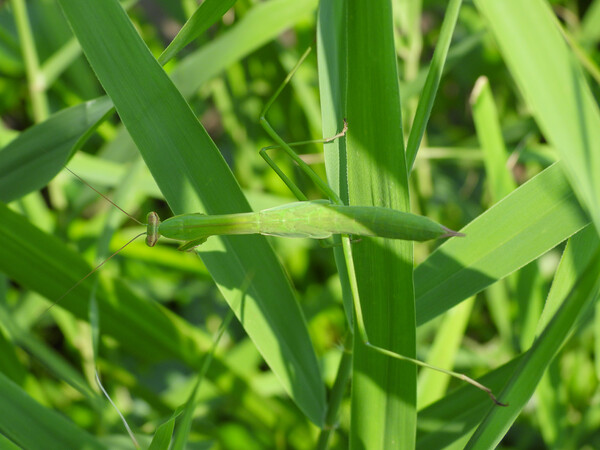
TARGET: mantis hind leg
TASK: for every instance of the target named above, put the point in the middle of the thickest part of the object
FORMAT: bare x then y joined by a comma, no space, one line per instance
287,148
288,182
362,334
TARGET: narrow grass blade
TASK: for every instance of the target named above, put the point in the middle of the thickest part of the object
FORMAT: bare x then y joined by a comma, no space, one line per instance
589,25
383,389
453,419
432,385
185,425
554,87
489,133
499,183
260,25
38,98
533,219
206,15
331,54
162,437
579,260
52,430
436,69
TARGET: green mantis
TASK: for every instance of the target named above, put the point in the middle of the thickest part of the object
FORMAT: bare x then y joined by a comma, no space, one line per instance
317,219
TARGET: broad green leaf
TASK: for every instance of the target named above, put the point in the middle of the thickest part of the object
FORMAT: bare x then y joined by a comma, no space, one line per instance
193,176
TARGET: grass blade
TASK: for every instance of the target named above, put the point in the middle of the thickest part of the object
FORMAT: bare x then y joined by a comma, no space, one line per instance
432,82
583,259
384,389
554,87
206,15
52,430
499,242
35,157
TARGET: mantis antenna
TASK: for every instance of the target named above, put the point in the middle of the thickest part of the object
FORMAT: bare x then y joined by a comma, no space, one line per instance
95,269
104,197
91,272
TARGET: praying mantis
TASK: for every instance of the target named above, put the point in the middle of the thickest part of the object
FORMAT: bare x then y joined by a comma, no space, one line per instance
317,219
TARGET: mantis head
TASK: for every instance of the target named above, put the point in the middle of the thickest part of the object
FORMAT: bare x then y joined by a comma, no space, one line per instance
152,234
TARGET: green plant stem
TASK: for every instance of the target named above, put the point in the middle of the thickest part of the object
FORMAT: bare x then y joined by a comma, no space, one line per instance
35,78
337,394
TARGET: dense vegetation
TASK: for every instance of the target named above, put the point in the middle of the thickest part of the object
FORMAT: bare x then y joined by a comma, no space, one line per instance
480,115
